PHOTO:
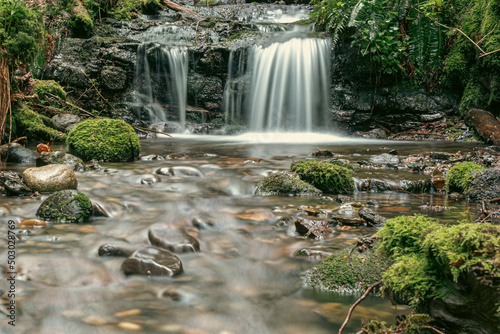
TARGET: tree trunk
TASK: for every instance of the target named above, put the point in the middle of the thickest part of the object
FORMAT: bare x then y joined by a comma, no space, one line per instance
485,124
4,92
176,7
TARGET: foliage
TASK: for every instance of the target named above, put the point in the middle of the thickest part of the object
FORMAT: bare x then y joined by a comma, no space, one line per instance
427,254
42,87
21,32
461,175
35,126
411,324
104,139
285,184
325,176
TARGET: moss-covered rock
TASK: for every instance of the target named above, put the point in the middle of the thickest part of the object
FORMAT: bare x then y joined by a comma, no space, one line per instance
325,176
35,126
285,183
67,206
150,6
485,186
104,139
42,87
461,175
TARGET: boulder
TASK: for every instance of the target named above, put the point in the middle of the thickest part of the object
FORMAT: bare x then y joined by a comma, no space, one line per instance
58,157
152,261
285,183
50,178
67,206
485,186
21,154
325,176
63,122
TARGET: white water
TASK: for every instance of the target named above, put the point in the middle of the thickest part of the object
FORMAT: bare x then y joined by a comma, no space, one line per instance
289,85
160,83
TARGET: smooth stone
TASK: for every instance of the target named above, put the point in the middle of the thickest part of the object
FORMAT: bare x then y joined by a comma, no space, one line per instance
175,239
64,121
50,178
31,223
114,250
152,261
315,229
21,154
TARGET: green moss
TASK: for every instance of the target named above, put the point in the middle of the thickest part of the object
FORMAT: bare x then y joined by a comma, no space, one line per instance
42,87
472,97
68,206
35,126
104,139
150,6
83,22
460,176
343,271
427,254
285,184
241,34
325,176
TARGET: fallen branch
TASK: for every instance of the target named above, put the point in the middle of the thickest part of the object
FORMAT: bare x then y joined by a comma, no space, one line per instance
351,309
134,126
177,8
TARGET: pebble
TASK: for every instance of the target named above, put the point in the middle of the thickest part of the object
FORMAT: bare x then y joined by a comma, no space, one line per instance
32,223
130,326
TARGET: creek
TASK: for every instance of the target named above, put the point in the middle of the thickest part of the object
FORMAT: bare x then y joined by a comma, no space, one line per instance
247,277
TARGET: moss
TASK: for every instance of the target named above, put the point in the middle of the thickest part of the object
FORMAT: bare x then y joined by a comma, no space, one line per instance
285,184
411,324
460,176
104,139
325,176
241,34
345,272
83,22
35,126
42,87
472,97
68,206
150,6
427,254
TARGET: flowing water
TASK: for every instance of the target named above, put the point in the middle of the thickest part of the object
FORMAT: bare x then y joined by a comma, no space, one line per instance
247,277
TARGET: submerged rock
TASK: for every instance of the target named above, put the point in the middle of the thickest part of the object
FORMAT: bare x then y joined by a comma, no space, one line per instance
67,206
315,229
371,216
50,178
114,250
182,171
152,261
172,238
285,183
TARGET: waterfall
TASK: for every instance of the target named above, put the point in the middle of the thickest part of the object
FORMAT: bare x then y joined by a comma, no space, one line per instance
160,83
283,86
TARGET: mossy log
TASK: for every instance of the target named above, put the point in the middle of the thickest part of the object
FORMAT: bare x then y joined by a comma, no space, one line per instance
485,124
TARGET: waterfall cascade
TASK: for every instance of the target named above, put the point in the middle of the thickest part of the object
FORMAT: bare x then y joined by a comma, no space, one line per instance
283,86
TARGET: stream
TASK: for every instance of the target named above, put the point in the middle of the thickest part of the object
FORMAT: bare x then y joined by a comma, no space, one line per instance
247,277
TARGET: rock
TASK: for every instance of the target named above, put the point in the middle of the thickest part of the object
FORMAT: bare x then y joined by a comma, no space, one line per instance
419,186
344,199
285,183
58,157
323,153
114,78
104,139
325,176
384,158
485,186
50,178
152,261
99,211
114,250
182,171
372,134
32,223
21,154
13,184
371,216
315,229
63,122
67,206
172,238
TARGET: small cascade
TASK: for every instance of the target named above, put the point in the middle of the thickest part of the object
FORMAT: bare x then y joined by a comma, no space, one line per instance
285,86
160,83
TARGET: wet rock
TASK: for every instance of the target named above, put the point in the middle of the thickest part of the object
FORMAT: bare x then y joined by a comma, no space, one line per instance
50,178
13,185
440,156
310,211
373,203
114,250
393,152
419,186
114,78
323,153
21,154
152,157
375,185
315,229
348,221
58,157
32,223
485,186
182,171
285,183
172,238
372,134
325,176
371,216
152,261
67,206
344,199
64,122
99,211
384,158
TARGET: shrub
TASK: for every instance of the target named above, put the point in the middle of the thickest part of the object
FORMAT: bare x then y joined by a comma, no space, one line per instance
104,139
461,175
325,176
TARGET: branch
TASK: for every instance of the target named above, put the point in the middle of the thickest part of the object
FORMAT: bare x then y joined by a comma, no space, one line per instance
176,7
134,126
348,317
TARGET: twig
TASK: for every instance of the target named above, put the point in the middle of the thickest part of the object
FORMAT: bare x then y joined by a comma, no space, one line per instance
434,329
488,216
134,126
351,309
487,34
